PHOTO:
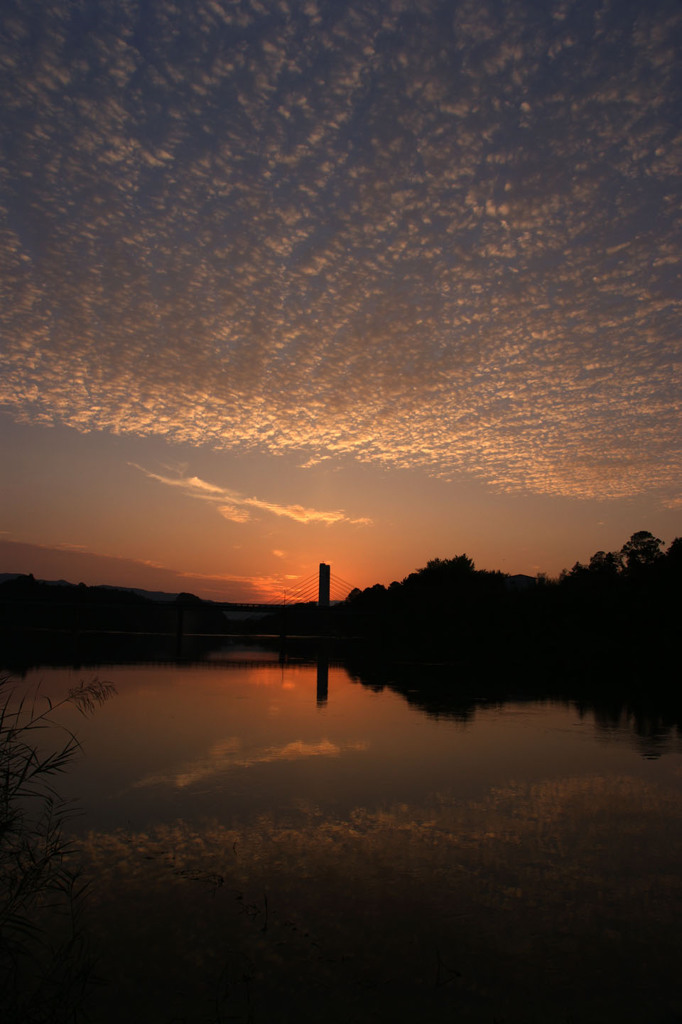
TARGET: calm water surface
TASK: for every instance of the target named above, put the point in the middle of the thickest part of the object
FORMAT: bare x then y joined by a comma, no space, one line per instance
274,843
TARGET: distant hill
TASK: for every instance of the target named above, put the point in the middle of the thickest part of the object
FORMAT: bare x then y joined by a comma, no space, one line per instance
151,595
29,604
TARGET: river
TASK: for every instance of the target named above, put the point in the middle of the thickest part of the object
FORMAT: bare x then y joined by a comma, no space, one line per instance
271,840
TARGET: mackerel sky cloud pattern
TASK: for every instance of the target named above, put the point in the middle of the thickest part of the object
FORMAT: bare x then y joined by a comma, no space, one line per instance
443,235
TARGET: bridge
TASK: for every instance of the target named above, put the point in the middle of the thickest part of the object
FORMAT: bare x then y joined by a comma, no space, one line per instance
312,594
321,588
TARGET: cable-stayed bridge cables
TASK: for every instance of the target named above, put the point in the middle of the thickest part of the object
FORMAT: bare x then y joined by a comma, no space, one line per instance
340,588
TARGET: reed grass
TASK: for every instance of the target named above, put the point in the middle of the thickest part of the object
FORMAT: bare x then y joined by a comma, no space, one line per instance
45,968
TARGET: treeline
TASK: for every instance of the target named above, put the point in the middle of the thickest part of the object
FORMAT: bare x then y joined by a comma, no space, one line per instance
618,611
641,560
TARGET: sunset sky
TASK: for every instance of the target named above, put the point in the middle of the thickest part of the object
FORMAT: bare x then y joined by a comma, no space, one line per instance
356,281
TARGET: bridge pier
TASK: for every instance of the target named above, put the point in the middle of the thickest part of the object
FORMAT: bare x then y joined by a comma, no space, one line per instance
179,629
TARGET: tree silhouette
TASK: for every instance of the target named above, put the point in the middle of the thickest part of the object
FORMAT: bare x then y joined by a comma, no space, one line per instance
641,552
674,553
607,564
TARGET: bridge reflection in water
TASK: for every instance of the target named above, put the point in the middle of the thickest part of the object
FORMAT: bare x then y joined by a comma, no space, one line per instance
322,678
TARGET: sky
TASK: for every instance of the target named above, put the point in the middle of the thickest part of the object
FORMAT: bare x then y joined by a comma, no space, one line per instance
366,282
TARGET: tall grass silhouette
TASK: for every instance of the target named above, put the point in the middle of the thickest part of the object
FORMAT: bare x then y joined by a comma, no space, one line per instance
45,967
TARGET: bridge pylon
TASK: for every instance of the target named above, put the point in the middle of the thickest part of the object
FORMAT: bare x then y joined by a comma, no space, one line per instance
323,588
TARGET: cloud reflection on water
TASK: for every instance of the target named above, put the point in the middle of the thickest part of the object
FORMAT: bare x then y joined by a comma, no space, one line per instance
229,753
540,895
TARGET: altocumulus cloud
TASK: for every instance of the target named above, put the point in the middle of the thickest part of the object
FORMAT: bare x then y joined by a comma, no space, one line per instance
445,237
237,507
